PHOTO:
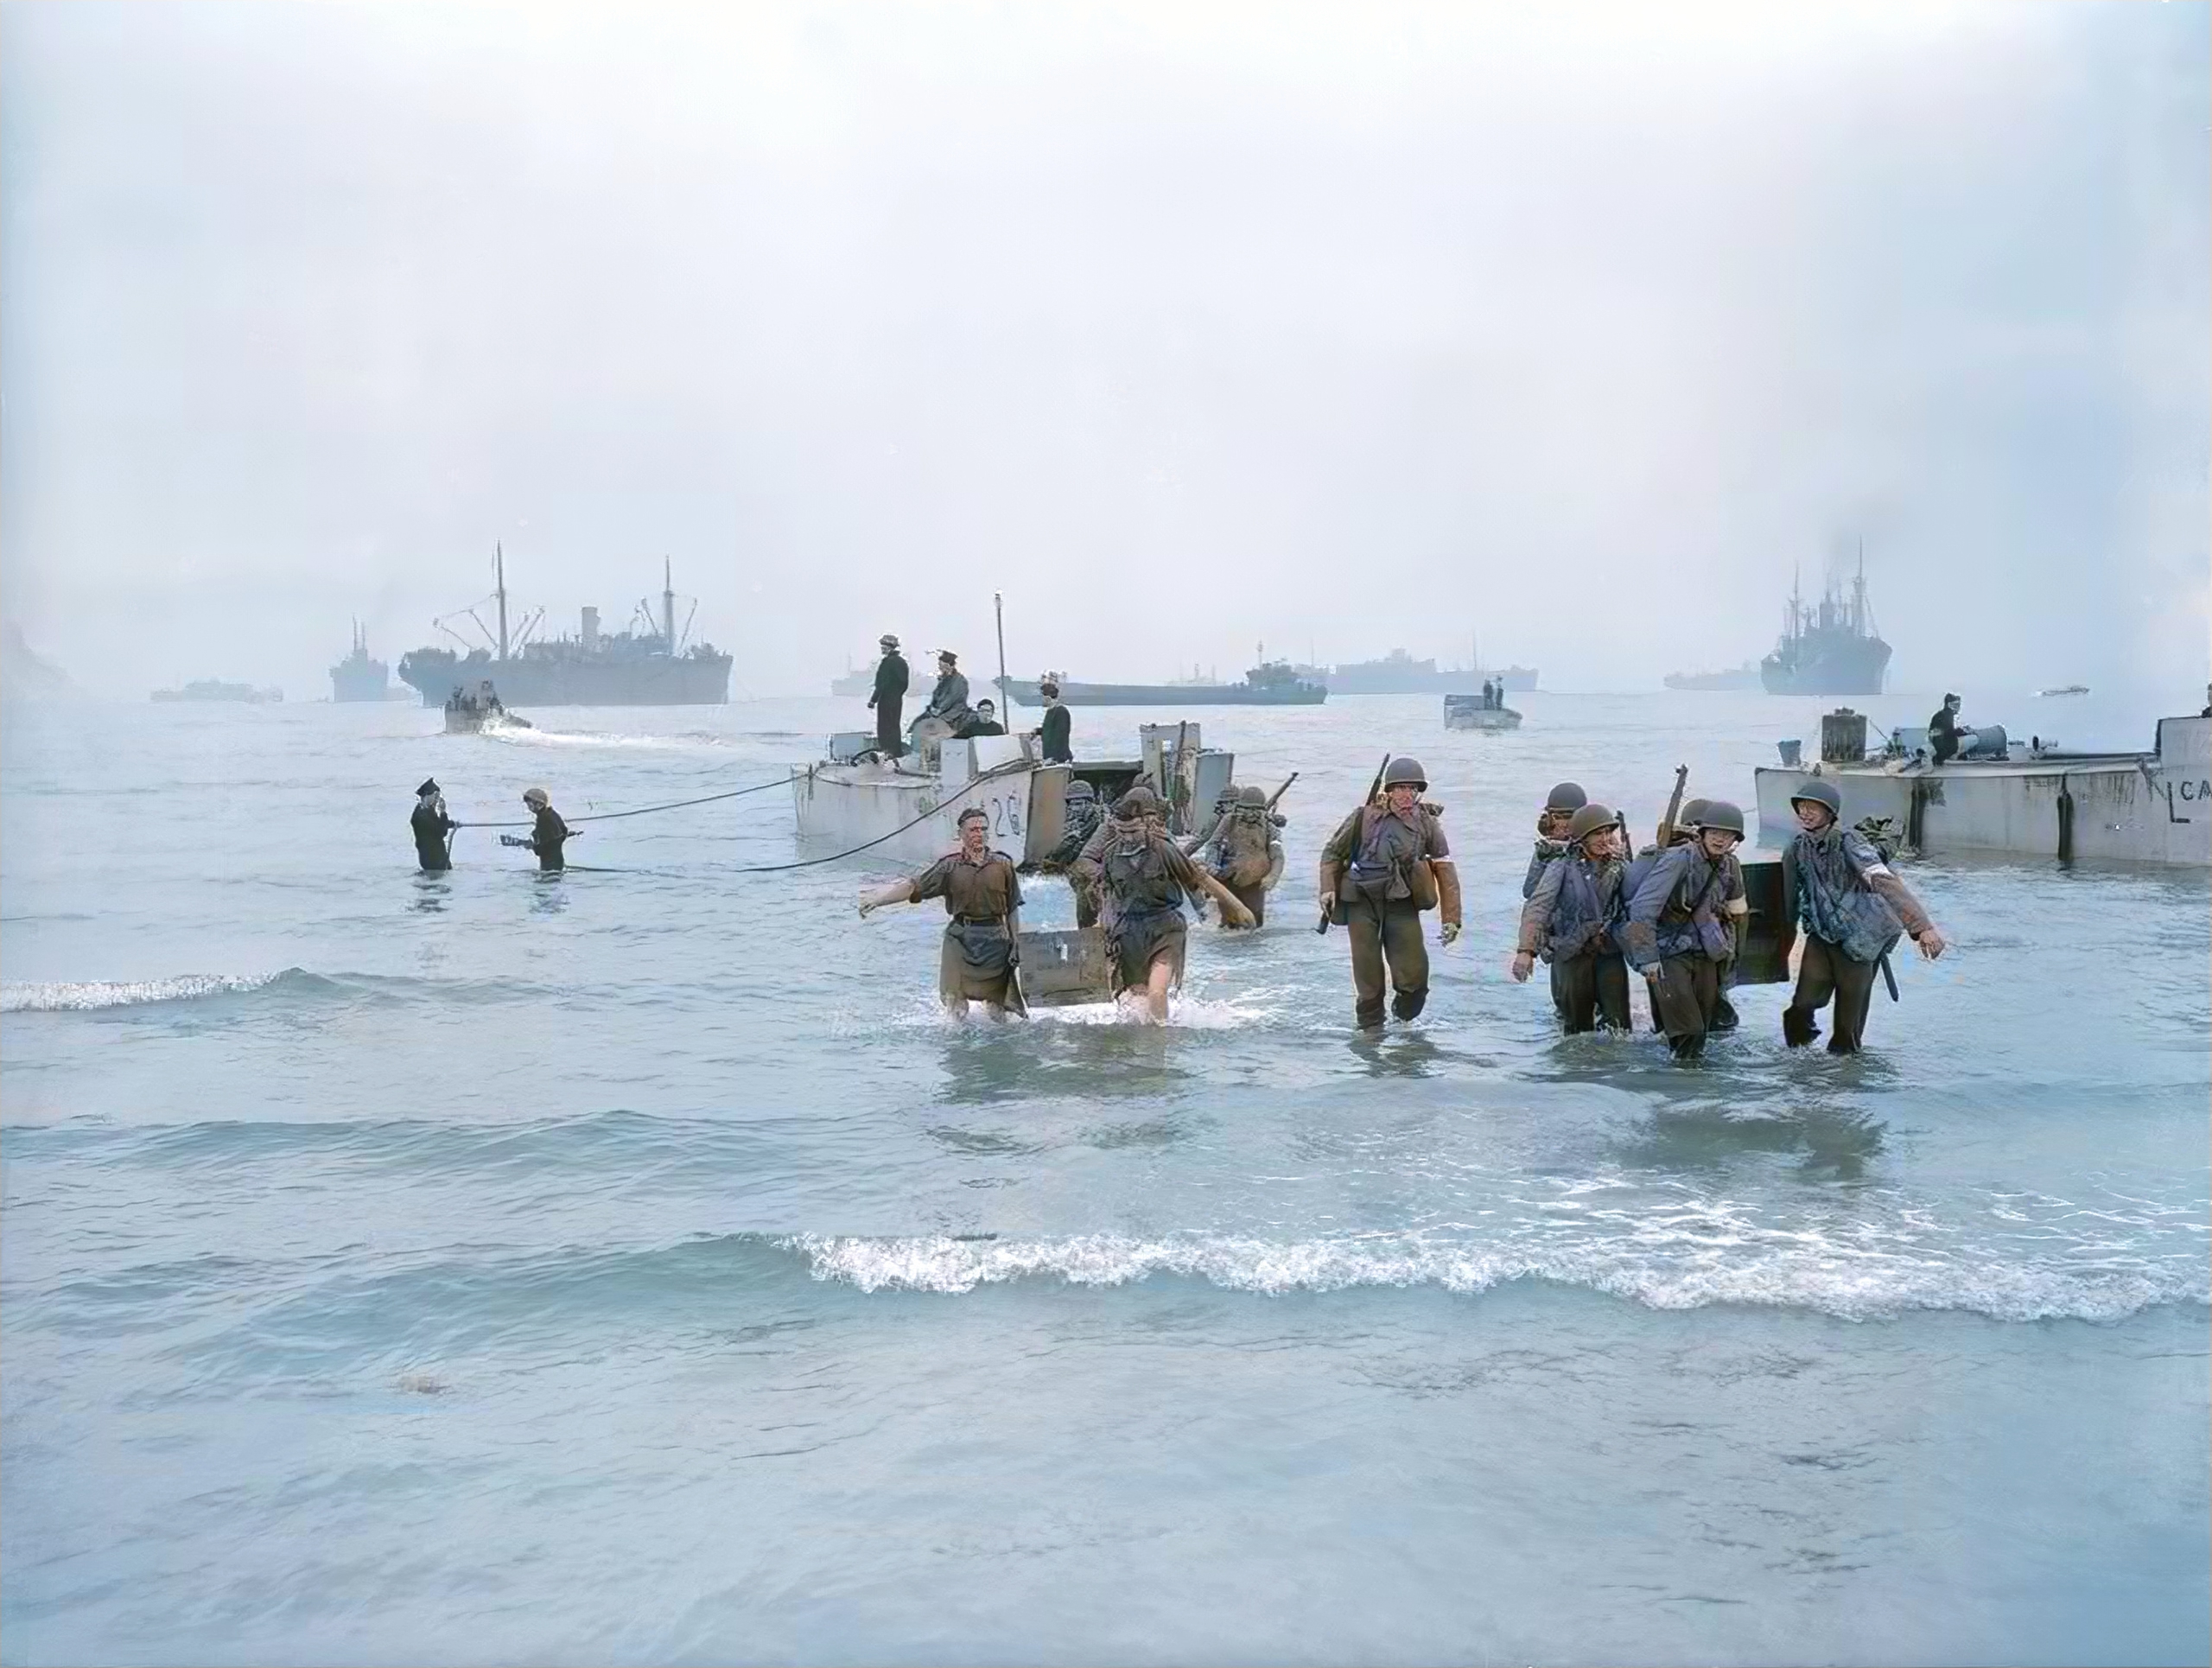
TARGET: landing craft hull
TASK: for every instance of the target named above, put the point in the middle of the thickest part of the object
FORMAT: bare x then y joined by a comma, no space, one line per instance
905,816
1491,718
2149,807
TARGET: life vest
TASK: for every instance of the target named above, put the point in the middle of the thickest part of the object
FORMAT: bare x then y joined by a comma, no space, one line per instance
1589,904
1833,900
1388,862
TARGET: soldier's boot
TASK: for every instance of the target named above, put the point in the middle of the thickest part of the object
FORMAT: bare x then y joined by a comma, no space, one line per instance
1725,1017
1408,1004
1797,1026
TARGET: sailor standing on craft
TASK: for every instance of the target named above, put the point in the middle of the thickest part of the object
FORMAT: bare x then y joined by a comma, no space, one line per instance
1853,910
1052,733
979,961
887,697
1140,877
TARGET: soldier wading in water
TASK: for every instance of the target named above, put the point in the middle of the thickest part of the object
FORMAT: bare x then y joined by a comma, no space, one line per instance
1386,863
1852,909
1682,925
1240,848
1140,877
1574,920
981,895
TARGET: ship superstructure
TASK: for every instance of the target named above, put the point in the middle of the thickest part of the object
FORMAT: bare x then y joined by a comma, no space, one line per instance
648,665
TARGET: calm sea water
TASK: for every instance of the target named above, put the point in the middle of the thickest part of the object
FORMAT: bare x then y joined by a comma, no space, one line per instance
633,1265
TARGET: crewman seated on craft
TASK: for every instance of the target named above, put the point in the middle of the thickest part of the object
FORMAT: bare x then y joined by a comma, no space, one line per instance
978,961
983,721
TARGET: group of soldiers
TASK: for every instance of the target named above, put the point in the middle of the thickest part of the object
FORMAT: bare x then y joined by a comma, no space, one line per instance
1674,913
432,829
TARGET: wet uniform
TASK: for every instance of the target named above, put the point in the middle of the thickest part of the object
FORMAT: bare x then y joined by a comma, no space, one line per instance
1678,922
1574,920
1140,877
977,960
546,835
1084,819
1853,910
431,827
1385,884
1241,852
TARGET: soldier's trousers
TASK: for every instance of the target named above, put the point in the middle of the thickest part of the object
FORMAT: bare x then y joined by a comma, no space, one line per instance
1590,989
1253,897
1826,971
1387,933
1683,999
890,741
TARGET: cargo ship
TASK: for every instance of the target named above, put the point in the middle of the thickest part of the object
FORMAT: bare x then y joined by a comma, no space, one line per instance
357,678
1271,684
1830,647
645,667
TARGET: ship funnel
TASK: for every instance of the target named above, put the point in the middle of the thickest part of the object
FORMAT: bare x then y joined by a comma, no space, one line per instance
591,630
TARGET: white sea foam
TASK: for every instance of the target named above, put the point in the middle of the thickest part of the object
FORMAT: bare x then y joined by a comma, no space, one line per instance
67,993
1821,1276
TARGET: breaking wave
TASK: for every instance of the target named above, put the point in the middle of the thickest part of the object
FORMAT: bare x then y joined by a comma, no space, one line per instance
1819,1277
66,996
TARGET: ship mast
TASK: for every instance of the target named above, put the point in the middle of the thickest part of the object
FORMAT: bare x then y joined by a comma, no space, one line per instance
499,569
667,605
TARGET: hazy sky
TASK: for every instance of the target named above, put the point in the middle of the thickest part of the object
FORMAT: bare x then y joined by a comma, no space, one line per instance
1186,326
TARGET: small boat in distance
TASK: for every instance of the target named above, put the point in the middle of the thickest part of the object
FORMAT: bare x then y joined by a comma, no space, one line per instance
1468,712
2065,689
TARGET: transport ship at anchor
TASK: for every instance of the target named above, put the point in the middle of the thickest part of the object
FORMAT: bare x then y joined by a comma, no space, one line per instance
647,667
1830,647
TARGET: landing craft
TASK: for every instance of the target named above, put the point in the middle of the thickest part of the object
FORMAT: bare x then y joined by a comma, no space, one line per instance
2141,807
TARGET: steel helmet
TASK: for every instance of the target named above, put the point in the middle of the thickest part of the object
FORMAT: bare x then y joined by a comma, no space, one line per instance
1254,796
1566,796
1589,820
1692,814
1136,803
1720,815
536,796
1817,791
1404,773
1079,789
